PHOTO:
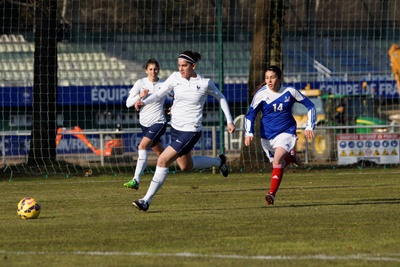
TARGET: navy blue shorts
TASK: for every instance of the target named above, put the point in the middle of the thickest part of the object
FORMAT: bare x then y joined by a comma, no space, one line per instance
154,132
183,142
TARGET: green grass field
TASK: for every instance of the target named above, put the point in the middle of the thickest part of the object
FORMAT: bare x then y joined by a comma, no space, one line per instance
320,218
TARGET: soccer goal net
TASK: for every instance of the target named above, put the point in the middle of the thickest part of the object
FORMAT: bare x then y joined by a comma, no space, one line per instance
66,69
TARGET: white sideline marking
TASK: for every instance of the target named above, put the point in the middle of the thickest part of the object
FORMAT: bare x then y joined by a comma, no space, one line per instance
362,257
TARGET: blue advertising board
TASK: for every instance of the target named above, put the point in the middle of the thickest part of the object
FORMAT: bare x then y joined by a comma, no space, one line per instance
381,89
69,144
235,93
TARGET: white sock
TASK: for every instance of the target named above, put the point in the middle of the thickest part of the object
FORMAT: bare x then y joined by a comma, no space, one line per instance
160,175
140,164
203,162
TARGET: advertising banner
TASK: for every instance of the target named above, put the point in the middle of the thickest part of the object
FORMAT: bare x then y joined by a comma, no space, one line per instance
378,148
15,145
235,93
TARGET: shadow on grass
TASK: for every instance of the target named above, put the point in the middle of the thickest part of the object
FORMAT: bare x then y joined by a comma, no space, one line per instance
376,201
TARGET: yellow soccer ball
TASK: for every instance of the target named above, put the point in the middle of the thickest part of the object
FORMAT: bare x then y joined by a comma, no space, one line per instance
28,208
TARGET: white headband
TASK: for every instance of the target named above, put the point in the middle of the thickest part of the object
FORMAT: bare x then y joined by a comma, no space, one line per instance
187,58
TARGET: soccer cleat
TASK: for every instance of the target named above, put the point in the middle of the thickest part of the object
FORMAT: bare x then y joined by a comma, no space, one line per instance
292,158
133,184
140,205
296,160
222,167
270,199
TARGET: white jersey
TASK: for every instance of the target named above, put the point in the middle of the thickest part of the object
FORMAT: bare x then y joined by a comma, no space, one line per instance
149,114
189,98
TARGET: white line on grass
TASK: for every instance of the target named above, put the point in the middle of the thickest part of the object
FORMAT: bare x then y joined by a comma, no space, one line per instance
361,257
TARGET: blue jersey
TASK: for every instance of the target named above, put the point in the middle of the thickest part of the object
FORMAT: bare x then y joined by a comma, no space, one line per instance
276,108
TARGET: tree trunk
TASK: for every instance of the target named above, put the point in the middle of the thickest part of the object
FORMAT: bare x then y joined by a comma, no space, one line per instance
44,126
266,50
275,33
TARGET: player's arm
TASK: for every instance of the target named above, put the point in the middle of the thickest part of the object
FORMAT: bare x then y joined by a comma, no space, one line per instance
166,88
311,114
134,94
216,93
250,118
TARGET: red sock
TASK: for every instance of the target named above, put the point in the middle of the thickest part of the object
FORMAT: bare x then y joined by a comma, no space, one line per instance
276,177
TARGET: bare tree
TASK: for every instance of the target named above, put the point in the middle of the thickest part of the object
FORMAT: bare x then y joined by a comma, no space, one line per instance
266,50
43,145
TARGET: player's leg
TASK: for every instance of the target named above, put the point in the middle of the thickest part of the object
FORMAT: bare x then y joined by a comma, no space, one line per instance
158,148
181,144
160,175
277,150
291,158
187,140
155,133
185,162
141,163
203,162
277,174
151,135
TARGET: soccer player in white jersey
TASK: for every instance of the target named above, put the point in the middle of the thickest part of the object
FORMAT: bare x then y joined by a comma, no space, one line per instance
190,93
151,118
278,127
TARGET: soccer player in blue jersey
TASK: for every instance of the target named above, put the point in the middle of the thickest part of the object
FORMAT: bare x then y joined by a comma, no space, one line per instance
151,118
190,93
278,127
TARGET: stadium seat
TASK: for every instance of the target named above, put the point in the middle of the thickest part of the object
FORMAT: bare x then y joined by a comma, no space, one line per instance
23,75
15,76
89,65
89,56
98,65
17,47
20,38
9,48
75,82
62,82
83,65
29,65
31,47
12,38
4,66
13,66
76,65
85,75
62,65
62,75
113,65
21,66
4,38
102,56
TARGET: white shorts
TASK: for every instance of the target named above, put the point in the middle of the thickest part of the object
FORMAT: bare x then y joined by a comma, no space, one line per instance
284,140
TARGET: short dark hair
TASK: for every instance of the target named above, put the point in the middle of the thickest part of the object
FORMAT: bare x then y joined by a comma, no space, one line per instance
150,62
